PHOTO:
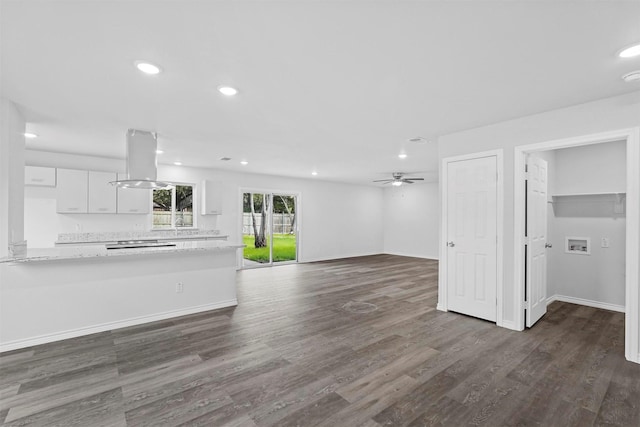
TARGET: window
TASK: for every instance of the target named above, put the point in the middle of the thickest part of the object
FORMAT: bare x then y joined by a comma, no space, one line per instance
173,207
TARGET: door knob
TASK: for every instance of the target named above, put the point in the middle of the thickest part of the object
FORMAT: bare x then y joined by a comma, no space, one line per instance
548,245
451,244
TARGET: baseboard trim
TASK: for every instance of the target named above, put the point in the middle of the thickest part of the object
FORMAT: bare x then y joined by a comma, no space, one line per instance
509,324
321,259
440,307
59,336
588,303
412,255
308,260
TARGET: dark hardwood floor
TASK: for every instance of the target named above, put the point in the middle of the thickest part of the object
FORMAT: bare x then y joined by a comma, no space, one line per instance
354,342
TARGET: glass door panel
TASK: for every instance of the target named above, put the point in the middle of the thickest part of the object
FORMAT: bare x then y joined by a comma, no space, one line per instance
285,248
256,229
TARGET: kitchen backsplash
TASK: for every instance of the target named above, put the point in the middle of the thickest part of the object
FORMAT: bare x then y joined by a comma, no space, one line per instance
131,235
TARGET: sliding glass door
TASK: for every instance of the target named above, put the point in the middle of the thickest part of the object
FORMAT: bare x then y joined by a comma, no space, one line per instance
283,228
269,229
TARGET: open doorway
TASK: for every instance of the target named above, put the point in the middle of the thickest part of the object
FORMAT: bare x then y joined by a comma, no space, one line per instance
590,249
575,227
269,228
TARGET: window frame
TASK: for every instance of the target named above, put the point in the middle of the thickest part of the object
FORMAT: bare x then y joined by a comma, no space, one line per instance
172,187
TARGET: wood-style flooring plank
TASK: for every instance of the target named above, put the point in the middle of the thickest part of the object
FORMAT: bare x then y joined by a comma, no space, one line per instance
349,342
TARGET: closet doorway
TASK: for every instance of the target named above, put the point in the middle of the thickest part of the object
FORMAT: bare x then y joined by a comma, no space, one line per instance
269,228
592,240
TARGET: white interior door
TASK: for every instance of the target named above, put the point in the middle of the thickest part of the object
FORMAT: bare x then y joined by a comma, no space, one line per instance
472,237
536,265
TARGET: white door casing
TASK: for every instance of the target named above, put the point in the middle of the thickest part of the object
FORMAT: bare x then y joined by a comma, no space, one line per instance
471,237
536,265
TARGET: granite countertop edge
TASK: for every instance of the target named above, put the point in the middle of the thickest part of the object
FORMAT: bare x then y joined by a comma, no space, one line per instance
89,251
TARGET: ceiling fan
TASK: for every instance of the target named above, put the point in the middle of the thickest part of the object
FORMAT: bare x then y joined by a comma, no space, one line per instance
398,179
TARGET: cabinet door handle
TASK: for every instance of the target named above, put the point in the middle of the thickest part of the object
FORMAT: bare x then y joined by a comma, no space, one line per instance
103,209
548,245
451,244
73,209
37,179
134,210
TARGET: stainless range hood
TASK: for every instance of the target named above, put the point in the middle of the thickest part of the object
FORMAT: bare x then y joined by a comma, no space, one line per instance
142,161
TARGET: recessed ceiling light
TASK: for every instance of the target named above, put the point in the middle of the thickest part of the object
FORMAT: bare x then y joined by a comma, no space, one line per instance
630,52
227,90
633,76
30,135
147,67
314,173
159,151
177,163
402,156
244,162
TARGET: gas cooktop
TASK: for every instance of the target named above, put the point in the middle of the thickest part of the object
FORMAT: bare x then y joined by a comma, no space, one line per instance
128,244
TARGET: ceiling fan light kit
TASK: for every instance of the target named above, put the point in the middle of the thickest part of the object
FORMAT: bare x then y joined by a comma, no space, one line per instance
399,179
418,140
633,76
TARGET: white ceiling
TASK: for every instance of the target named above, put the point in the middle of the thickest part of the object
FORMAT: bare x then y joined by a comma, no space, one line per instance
332,86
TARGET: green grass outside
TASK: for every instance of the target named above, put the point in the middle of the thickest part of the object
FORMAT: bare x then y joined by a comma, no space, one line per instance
284,248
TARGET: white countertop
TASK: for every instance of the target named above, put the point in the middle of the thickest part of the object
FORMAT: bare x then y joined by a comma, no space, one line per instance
92,251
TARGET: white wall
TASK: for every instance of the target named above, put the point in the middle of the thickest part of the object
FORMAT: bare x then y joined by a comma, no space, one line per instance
336,220
597,168
411,220
11,175
598,278
600,116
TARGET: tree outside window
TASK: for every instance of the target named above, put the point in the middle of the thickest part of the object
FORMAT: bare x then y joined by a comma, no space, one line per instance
173,207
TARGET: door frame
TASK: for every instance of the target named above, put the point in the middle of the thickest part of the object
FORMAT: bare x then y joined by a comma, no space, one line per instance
298,196
443,264
632,285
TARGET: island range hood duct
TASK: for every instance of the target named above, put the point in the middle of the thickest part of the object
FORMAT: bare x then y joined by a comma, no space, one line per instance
142,164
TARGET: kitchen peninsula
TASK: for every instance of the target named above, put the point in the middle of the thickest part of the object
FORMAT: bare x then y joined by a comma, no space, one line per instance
70,290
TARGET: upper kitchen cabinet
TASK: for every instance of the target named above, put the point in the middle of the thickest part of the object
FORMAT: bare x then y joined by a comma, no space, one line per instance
72,191
133,200
102,195
39,176
211,198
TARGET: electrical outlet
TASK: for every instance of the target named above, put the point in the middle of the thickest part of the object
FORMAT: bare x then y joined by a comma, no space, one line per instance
604,242
179,288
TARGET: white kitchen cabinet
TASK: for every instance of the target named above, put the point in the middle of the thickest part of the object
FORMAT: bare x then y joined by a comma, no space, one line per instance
39,176
72,191
102,195
133,200
211,198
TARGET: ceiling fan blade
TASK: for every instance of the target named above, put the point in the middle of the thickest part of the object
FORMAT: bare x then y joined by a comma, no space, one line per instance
384,180
407,181
416,179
